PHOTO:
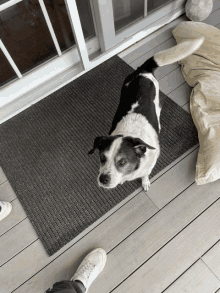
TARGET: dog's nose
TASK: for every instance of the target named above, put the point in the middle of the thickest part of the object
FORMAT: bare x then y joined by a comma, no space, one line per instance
104,179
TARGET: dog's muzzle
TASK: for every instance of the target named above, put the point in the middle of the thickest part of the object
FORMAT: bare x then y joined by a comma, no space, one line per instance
104,179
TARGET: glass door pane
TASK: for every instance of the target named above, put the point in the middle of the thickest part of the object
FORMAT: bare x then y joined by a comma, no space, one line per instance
59,18
26,36
126,12
121,19
153,5
6,72
3,1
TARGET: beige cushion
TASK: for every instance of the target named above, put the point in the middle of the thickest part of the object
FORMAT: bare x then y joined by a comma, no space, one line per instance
201,71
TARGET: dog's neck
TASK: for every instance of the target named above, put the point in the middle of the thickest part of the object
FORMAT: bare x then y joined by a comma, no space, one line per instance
136,125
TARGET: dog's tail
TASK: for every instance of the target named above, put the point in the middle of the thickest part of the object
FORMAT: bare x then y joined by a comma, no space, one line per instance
178,52
171,55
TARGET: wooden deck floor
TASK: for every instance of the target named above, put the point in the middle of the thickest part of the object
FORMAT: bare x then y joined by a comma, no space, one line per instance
164,241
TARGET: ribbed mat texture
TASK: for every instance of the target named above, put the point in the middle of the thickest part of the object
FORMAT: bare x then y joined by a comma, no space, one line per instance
44,152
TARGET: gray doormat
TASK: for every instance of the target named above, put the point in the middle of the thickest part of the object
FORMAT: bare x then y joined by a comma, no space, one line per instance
44,152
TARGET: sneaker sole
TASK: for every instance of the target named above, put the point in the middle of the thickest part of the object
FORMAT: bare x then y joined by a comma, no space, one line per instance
6,211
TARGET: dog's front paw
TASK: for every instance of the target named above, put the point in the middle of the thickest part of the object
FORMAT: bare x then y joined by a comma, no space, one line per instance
122,182
146,183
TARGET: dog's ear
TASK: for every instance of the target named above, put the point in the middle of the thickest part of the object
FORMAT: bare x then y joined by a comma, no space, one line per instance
140,146
102,142
96,144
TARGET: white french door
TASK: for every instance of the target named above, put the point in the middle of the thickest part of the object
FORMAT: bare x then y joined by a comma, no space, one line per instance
37,42
40,39
120,19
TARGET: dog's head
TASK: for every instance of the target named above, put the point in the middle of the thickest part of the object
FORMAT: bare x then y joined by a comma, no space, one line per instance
119,156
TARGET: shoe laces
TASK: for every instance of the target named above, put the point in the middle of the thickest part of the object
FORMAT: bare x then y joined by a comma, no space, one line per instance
87,269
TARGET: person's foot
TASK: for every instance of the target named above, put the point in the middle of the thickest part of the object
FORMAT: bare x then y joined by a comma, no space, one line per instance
5,209
90,267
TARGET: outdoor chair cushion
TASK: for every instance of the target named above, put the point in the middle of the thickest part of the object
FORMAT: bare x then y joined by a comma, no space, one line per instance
201,71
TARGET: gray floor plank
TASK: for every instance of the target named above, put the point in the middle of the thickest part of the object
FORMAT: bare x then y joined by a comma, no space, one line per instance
216,6
6,192
213,18
186,107
196,279
165,45
153,235
17,215
163,71
107,235
3,178
163,191
212,259
178,255
181,95
15,240
131,54
171,81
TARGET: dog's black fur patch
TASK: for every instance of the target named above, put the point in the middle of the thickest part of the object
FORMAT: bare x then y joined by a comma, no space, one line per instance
137,88
141,90
127,152
103,143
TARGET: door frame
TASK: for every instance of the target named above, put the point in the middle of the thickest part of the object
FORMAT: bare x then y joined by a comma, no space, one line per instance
55,65
35,85
104,13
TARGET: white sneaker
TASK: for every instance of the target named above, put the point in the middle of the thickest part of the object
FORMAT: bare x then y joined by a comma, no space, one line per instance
5,209
90,267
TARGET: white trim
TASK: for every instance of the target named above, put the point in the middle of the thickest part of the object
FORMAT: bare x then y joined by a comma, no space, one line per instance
152,19
8,4
145,8
39,76
43,73
138,36
93,16
126,9
104,17
78,32
52,67
10,60
15,106
50,27
38,93
172,25
136,26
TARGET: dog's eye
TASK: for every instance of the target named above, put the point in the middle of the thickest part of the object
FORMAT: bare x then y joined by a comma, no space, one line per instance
122,162
102,158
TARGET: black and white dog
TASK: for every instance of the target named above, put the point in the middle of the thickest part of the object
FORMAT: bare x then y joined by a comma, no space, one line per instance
131,149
